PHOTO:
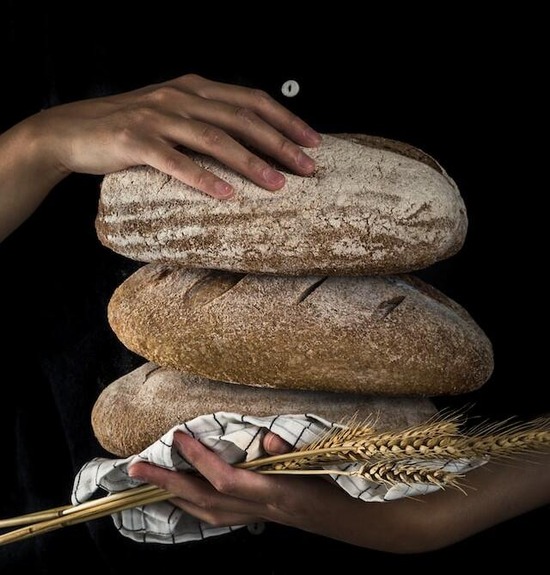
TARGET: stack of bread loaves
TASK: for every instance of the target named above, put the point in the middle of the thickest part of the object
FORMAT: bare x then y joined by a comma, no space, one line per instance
298,301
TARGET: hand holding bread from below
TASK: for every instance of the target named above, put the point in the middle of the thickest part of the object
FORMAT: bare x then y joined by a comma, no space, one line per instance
385,335
373,206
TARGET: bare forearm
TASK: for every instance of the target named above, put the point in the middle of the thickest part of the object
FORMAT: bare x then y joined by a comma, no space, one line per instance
225,495
27,174
144,127
494,493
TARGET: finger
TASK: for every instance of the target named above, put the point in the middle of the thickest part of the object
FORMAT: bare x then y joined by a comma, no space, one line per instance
247,126
194,490
240,122
168,160
206,139
167,479
225,478
275,445
214,517
257,100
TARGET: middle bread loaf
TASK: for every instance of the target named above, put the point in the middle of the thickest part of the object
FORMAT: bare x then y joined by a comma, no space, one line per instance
385,335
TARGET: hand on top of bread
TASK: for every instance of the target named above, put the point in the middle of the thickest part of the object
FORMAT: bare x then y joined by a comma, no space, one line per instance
153,126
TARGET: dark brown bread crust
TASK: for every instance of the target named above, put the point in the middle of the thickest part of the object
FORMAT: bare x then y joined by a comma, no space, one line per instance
406,150
391,335
374,206
138,408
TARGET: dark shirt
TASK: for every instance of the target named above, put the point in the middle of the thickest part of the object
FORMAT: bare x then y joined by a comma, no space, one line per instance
440,90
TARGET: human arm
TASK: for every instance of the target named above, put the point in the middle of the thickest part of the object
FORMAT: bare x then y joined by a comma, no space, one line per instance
224,495
145,126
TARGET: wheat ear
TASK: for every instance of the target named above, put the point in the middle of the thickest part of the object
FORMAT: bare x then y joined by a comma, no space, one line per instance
438,439
416,455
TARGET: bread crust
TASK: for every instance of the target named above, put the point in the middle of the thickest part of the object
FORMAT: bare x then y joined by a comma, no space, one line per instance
373,206
138,408
384,335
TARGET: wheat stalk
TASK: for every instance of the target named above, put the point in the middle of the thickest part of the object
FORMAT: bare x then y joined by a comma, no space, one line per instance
410,456
75,514
433,440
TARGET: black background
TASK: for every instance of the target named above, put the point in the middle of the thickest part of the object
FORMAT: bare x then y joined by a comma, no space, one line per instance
466,89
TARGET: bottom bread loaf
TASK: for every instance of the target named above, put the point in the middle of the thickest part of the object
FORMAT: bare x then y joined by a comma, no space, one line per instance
138,408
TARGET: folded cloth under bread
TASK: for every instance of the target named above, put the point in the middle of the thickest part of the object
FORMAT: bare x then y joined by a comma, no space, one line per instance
235,438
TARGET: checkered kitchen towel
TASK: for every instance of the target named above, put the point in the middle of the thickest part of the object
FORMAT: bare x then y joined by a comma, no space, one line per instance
235,438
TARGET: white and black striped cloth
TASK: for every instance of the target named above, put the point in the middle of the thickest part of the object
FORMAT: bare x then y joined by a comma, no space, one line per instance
235,438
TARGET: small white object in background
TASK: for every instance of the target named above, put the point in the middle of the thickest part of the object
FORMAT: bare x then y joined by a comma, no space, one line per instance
290,88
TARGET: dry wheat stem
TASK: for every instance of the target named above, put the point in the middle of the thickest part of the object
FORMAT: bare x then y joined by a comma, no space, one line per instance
33,517
90,510
67,510
387,458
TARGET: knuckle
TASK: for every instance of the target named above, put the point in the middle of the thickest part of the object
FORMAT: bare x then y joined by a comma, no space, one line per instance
212,137
172,165
192,79
203,181
162,94
294,124
260,98
255,165
225,485
246,115
286,148
196,84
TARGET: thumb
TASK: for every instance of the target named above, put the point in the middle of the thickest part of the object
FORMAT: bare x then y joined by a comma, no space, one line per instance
274,445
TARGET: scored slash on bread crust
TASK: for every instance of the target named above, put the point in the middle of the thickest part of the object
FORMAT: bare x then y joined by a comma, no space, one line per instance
373,206
385,335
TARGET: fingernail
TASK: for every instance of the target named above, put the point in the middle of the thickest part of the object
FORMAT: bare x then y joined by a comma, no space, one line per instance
134,474
268,442
180,440
223,190
273,177
305,162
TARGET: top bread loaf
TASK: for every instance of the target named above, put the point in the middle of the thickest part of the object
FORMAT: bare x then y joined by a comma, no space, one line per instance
373,206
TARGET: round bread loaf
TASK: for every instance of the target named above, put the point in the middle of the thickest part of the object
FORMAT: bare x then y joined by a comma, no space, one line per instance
374,206
390,335
138,408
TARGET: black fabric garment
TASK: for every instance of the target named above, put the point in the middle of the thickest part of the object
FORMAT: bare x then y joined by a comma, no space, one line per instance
441,91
